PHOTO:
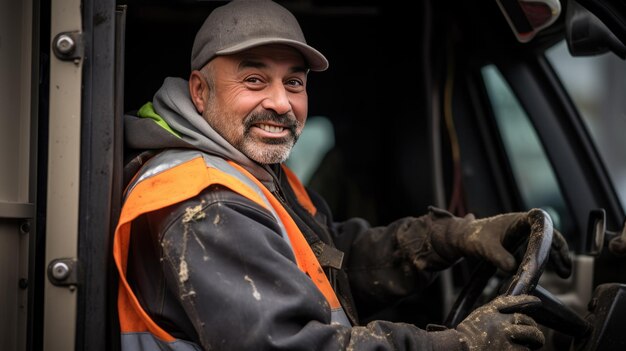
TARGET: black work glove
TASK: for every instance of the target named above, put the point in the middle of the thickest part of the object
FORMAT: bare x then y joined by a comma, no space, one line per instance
455,237
497,325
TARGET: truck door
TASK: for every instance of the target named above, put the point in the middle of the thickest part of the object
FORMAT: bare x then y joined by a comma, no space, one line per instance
60,159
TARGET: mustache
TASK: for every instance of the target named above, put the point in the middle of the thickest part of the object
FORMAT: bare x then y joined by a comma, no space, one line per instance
287,120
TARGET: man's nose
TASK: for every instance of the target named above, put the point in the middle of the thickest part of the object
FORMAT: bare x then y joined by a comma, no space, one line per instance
277,99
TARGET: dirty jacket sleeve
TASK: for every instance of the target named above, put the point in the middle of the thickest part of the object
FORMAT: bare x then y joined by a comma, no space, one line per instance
387,263
229,281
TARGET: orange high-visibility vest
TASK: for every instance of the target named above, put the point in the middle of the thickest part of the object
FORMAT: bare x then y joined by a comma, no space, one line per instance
177,175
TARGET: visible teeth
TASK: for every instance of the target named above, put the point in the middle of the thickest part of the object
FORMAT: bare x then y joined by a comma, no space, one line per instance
271,129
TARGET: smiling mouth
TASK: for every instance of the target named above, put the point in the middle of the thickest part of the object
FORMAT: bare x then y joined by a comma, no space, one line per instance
270,128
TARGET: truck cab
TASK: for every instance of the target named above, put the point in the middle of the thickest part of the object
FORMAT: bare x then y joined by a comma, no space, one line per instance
478,107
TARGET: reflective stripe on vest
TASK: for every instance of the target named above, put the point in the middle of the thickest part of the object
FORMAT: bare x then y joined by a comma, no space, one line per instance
300,191
177,175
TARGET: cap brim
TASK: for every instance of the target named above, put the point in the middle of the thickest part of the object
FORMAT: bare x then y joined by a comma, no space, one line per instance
316,61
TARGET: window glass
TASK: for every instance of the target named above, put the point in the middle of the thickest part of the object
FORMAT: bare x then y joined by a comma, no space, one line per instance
597,85
533,172
317,138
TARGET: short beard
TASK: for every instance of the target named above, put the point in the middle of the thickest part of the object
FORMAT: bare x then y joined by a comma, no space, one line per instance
272,150
263,151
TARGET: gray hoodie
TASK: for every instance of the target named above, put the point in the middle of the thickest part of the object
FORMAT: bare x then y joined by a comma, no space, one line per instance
173,104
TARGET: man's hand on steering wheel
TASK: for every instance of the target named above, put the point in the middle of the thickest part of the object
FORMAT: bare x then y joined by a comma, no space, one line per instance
487,238
499,325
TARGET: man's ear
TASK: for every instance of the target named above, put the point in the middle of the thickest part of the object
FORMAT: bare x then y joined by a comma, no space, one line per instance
198,90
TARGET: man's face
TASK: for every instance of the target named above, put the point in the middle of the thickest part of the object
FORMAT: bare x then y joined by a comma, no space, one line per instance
258,101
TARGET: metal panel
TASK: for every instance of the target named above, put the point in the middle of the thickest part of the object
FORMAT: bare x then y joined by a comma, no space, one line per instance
15,153
63,177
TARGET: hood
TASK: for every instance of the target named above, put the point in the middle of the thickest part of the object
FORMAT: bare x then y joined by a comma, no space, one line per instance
171,121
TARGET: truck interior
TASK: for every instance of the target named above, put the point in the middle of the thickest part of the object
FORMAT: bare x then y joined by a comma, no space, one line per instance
423,105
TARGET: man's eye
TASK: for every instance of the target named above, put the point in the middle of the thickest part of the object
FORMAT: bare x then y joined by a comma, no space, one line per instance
295,83
253,80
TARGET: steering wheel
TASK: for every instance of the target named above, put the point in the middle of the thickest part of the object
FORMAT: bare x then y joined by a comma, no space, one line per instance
525,279
552,313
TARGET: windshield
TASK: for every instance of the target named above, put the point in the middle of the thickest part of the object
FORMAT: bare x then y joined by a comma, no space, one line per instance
597,85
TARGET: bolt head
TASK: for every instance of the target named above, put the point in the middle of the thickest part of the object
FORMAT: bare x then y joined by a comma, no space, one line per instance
65,44
60,271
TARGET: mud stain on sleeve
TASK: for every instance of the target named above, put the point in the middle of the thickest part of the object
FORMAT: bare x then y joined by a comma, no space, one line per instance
183,271
191,293
255,292
361,335
205,256
191,214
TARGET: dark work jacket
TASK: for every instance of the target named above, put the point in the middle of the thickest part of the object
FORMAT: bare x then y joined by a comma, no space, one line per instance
249,294
246,254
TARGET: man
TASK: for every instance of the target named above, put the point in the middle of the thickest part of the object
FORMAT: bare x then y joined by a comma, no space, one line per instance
219,246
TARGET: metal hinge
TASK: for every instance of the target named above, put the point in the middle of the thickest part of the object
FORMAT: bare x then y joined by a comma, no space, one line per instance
64,272
68,46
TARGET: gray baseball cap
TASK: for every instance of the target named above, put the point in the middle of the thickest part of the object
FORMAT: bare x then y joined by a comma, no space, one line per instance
244,24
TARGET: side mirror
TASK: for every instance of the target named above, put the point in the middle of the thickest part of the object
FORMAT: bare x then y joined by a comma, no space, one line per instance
586,35
527,17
